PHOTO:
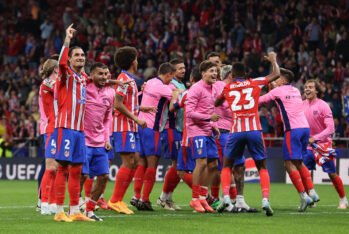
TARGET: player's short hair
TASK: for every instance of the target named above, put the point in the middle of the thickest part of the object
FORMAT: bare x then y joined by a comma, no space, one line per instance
238,69
205,65
212,54
47,68
288,74
71,50
125,56
195,73
225,71
317,85
176,61
166,68
98,65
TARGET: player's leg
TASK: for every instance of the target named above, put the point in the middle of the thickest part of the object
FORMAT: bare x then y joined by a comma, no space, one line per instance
126,145
75,149
99,167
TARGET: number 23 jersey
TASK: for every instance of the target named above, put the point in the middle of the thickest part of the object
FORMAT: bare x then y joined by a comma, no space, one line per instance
242,96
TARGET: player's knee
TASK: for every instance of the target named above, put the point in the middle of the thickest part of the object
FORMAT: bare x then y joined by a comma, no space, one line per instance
51,164
181,174
103,178
332,175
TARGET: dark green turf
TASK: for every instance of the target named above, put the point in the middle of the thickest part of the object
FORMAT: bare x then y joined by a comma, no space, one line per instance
18,215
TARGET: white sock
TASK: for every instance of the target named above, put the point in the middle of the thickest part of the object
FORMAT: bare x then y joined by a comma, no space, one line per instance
303,195
240,198
60,209
163,196
102,195
74,210
169,196
312,192
226,199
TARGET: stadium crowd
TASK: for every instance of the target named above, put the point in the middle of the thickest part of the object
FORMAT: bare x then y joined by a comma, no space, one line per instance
311,41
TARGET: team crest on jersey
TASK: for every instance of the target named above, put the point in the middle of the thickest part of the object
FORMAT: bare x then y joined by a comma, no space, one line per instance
133,145
315,112
53,151
199,151
66,153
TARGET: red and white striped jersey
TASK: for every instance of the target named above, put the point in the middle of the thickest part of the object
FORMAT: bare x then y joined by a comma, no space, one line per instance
129,92
70,95
47,106
243,97
181,103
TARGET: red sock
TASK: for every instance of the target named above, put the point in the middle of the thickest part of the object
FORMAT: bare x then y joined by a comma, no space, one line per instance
90,205
195,191
61,177
188,179
338,184
74,184
297,181
265,182
226,180
215,191
46,183
233,192
138,180
203,192
52,195
306,178
171,180
88,187
123,179
149,180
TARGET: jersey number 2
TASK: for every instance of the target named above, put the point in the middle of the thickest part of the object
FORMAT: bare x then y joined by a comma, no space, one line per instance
237,95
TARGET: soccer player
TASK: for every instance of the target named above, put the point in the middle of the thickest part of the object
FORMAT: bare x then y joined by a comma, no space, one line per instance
47,123
68,140
200,112
296,128
157,92
215,58
242,95
125,126
98,116
171,137
185,161
320,119
225,124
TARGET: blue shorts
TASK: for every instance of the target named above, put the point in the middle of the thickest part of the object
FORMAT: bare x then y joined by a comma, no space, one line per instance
237,141
50,146
150,143
126,142
295,144
171,143
96,163
221,143
68,145
203,147
310,163
111,153
185,162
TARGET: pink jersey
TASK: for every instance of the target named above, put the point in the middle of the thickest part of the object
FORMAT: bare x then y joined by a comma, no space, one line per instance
223,111
47,106
98,115
320,119
242,97
129,92
289,101
70,95
155,93
199,109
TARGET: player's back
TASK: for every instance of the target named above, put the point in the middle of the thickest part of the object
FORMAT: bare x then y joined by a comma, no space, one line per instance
242,97
47,105
290,104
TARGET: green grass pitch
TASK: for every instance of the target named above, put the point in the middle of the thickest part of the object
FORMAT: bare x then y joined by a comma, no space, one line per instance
18,215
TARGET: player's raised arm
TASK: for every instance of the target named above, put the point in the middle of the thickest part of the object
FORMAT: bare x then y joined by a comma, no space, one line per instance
276,69
63,57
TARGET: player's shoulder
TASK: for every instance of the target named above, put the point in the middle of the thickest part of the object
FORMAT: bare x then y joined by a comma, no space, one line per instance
123,76
48,83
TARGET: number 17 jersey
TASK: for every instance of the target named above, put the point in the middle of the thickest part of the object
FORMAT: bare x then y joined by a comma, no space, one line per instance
243,97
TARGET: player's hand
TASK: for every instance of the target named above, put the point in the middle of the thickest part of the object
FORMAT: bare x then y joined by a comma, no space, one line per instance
148,109
122,83
108,146
218,133
271,56
141,123
214,117
69,32
311,140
